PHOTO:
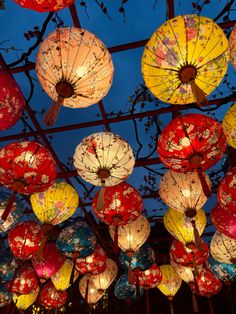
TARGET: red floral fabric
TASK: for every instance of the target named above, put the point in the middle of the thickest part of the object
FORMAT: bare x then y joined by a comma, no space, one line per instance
148,278
25,281
51,298
44,5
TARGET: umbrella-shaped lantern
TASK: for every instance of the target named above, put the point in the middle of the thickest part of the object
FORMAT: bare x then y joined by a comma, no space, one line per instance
223,248
11,101
74,68
44,5
225,272
25,281
24,301
62,278
50,298
185,59
183,191
89,292
5,296
229,126
123,290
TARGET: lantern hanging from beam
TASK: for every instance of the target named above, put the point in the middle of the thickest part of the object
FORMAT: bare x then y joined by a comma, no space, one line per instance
24,301
185,59
74,68
223,248
61,279
45,5
123,290
223,271
229,126
50,298
89,292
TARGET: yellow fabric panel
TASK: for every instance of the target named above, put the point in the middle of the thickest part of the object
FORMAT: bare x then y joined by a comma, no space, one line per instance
229,126
24,301
170,282
61,279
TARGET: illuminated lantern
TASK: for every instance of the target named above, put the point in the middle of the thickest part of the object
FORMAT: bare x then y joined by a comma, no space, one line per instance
25,239
180,69
223,248
184,228
61,279
50,297
77,239
122,204
55,205
50,262
104,159
224,221
7,265
11,101
5,296
93,264
74,68
25,281
149,278
185,273
23,301
183,191
125,291
232,39
89,292
132,236
44,5
223,271
226,192
229,126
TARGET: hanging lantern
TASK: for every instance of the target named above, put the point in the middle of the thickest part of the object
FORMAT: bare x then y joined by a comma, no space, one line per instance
148,278
44,5
23,301
183,191
184,272
25,239
77,239
7,265
224,221
93,264
50,298
11,101
55,205
223,248
61,279
223,271
103,280
232,40
122,204
180,69
74,68
226,192
25,281
89,292
229,126
50,262
5,296
185,229
125,291
132,236
104,159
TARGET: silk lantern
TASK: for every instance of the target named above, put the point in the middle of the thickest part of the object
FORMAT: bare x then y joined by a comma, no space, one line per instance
62,278
225,272
25,281
177,67
50,298
184,272
123,290
45,5
223,248
11,101
7,265
232,40
229,126
24,301
89,292
149,278
74,68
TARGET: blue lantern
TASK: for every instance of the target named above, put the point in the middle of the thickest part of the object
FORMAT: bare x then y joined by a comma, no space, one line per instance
5,296
123,290
7,265
225,272
77,239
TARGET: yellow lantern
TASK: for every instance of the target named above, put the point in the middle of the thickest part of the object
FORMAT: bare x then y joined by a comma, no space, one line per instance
229,126
23,301
56,204
88,291
185,59
183,191
131,236
232,46
61,279
223,248
184,228
74,68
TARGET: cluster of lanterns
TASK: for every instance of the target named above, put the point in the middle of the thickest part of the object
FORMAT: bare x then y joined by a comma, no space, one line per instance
175,72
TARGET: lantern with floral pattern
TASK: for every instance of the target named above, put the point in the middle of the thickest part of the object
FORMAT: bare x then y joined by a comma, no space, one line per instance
24,301
229,126
185,273
232,40
148,278
50,298
7,265
61,279
223,271
89,292
223,248
123,290
45,5
25,281
5,296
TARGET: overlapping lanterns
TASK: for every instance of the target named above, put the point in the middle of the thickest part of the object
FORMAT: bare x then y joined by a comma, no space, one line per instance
89,292
44,5
24,282
225,272
229,126
124,290
51,298
24,301
74,68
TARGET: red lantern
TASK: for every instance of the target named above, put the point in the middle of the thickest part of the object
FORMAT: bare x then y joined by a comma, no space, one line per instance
11,101
25,239
49,263
224,221
227,191
51,298
44,5
93,264
122,205
148,278
25,281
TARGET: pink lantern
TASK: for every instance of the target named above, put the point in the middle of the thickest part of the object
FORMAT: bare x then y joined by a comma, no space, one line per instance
51,298
25,281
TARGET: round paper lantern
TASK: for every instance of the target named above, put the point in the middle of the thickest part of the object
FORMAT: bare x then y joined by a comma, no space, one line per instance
7,265
223,248
44,5
125,291
5,296
61,279
180,69
185,273
122,204
25,281
104,158
50,297
181,227
88,291
232,41
183,191
25,239
74,68
148,278
132,236
224,221
229,126
23,301
223,271
77,239
226,192
170,282
55,205
11,100
93,264
50,262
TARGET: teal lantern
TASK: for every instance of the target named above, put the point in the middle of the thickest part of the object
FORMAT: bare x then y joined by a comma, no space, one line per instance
125,291
225,272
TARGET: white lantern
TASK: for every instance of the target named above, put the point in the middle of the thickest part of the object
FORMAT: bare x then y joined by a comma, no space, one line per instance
223,248
93,295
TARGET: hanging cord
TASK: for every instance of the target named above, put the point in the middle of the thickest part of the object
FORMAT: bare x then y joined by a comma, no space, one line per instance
195,304
148,309
171,306
211,306
197,238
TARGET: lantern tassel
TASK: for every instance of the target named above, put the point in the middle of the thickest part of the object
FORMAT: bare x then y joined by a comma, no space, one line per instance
116,241
197,238
86,291
137,287
148,309
100,203
52,113
198,94
9,206
171,307
130,273
205,187
195,304
211,306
